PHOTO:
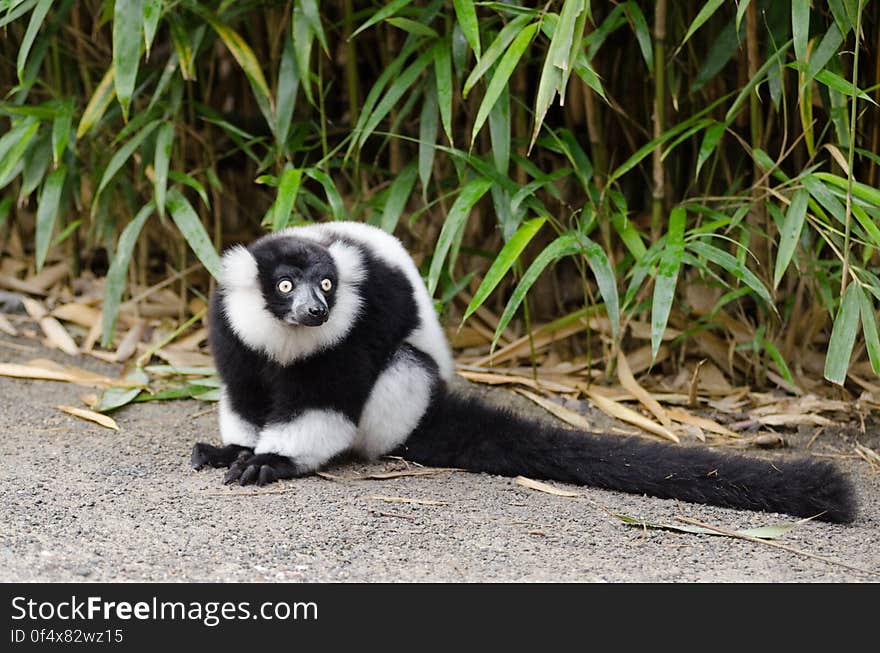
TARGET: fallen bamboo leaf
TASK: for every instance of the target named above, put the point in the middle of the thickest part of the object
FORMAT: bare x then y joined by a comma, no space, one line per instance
34,308
493,378
49,276
575,419
85,316
113,398
383,476
420,502
128,346
6,326
57,336
184,358
771,532
628,381
759,540
43,370
621,412
544,487
90,415
791,419
684,417
12,283
868,455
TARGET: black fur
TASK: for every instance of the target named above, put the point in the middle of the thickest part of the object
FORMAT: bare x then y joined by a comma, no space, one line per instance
463,432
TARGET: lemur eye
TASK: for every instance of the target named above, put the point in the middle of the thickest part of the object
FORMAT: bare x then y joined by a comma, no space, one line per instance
285,286
326,285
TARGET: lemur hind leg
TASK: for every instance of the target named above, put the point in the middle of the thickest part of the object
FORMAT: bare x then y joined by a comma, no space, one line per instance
204,454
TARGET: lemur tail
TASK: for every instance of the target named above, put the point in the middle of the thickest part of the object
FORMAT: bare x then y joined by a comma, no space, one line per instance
466,433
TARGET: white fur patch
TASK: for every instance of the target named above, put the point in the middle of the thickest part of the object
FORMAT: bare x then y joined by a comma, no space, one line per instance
251,321
234,429
311,439
396,403
428,336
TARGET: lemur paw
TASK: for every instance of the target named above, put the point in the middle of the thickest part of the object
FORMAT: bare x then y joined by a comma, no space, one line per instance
205,454
261,469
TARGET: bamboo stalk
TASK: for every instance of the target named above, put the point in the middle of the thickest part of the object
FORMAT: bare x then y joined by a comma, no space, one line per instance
658,193
850,174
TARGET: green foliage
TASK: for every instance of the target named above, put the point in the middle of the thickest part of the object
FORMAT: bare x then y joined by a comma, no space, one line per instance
746,129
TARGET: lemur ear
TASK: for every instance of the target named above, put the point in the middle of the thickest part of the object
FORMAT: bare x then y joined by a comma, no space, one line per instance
238,268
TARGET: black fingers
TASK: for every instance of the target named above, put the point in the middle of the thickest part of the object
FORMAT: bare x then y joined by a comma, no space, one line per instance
261,469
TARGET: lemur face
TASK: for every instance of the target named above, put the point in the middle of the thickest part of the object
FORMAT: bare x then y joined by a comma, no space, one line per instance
298,280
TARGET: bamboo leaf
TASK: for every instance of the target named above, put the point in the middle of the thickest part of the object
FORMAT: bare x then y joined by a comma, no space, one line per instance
741,7
188,180
843,335
115,282
428,128
502,75
503,262
303,38
394,93
288,85
312,15
567,244
161,161
398,195
710,142
443,74
288,187
640,29
561,55
13,146
869,329
36,21
470,194
826,49
667,277
385,12
246,58
121,156
733,267
413,27
128,17
152,13
703,15
101,99
790,233
800,30
467,20
61,129
498,47
187,220
47,212
777,358
334,199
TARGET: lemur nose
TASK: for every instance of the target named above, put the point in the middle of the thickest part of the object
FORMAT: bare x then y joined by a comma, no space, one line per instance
317,311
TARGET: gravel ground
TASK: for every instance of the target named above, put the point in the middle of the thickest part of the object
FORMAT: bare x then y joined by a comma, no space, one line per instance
84,503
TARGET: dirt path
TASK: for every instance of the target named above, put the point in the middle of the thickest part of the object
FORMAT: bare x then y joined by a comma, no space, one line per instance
83,503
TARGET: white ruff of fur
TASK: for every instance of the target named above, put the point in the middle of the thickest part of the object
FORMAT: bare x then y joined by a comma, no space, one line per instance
311,439
234,429
252,322
428,336
396,403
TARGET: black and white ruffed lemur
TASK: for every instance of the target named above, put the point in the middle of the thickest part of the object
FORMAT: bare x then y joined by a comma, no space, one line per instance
327,341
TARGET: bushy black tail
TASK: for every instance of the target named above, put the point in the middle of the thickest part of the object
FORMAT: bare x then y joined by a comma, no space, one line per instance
466,433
